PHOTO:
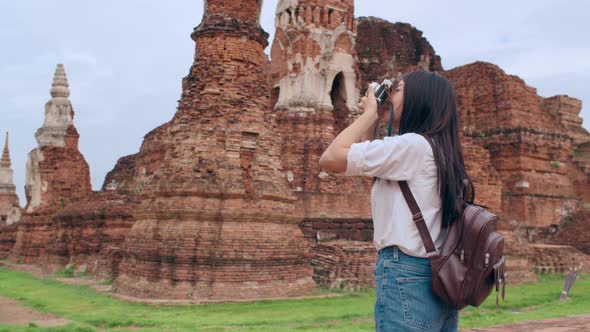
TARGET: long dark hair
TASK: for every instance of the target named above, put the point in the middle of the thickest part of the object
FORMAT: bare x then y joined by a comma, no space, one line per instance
430,109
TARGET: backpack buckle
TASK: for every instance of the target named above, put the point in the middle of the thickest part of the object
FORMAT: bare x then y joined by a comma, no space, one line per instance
418,217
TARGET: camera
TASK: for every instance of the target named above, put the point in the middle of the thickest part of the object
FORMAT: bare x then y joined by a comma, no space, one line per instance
381,90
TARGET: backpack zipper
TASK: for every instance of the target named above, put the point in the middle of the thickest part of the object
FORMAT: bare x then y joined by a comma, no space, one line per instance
470,268
491,248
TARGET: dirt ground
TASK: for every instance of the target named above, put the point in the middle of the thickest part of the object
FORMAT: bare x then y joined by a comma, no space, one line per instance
566,324
11,312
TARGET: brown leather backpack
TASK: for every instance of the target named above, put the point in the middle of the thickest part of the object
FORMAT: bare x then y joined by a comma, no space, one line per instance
470,262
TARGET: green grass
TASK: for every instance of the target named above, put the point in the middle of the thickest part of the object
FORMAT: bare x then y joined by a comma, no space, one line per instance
531,302
353,311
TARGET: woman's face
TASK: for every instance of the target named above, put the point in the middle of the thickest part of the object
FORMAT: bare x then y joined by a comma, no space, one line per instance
398,101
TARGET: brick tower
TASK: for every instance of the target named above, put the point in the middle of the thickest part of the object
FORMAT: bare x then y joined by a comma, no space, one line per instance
57,173
9,205
315,90
217,220
314,96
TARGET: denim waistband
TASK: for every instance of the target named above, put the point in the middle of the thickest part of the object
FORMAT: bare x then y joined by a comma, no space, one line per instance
390,250
397,254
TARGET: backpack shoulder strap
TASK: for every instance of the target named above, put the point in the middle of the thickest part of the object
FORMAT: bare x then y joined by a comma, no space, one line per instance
419,220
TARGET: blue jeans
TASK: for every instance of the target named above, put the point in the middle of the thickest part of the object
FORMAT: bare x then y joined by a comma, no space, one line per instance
405,301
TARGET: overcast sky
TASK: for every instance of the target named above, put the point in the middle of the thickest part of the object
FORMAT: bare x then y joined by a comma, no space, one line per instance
125,59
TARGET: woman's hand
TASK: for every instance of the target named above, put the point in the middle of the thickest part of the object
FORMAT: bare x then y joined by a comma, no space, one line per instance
335,158
368,103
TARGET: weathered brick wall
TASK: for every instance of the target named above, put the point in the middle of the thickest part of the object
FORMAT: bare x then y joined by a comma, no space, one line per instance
574,231
386,50
326,229
64,173
131,172
82,229
344,264
567,111
245,11
581,173
321,194
62,177
548,258
7,239
529,148
31,236
10,210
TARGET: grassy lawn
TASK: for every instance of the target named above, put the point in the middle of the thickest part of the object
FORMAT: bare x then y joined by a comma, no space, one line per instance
352,312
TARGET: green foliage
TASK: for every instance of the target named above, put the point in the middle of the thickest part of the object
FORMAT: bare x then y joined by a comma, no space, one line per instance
70,272
67,272
344,311
567,218
107,282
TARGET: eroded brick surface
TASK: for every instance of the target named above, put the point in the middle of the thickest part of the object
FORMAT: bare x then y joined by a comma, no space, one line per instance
551,258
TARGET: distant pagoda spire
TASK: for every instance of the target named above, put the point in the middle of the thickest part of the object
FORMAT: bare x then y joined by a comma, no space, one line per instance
9,206
60,87
5,162
6,173
59,113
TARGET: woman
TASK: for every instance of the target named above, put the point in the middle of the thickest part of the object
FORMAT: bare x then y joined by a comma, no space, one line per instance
425,109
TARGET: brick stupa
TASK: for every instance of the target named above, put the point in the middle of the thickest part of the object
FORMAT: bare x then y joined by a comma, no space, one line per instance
10,210
315,93
217,220
57,173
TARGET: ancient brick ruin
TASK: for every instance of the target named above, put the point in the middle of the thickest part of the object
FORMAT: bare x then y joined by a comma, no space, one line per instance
216,219
10,210
57,174
226,200
388,50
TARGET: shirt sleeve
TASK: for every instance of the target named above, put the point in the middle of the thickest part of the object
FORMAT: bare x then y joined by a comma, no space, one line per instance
395,158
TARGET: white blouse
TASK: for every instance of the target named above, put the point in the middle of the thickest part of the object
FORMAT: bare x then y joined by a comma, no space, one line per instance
407,157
